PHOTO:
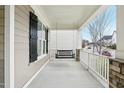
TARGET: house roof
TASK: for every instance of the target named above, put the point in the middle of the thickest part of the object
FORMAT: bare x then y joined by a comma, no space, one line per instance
107,37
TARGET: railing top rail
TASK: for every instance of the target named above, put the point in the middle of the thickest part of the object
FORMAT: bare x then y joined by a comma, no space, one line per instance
96,54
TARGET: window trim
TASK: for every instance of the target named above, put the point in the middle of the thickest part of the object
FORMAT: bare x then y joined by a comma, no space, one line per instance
42,38
43,46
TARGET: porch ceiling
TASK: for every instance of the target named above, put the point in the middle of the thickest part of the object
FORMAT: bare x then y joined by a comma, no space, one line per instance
68,16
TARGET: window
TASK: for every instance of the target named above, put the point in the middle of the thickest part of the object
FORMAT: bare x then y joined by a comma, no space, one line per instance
46,37
39,41
44,46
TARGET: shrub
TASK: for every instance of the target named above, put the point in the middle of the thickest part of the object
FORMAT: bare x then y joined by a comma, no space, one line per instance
113,46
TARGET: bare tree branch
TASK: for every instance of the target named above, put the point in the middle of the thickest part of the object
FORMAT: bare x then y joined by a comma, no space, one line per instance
98,27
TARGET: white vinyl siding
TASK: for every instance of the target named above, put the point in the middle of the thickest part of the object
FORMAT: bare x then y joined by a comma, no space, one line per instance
23,70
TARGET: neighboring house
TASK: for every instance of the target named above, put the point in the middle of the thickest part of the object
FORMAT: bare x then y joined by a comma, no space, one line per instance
108,39
85,43
91,44
114,37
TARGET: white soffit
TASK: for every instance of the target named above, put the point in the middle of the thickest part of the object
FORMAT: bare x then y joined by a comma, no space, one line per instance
68,16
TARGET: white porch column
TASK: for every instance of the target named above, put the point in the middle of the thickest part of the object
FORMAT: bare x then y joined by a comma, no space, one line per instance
79,40
9,46
120,32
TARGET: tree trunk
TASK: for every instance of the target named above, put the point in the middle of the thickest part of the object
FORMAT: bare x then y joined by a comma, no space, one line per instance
93,48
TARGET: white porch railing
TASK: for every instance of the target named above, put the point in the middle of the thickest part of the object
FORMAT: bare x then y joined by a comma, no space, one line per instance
97,65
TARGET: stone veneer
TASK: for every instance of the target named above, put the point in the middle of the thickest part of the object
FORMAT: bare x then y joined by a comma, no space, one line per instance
116,73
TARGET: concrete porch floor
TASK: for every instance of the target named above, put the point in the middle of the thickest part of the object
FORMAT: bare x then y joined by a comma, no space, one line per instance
64,74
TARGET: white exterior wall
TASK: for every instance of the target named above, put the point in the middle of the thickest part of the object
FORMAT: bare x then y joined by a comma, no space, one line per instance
114,38
64,39
120,32
23,70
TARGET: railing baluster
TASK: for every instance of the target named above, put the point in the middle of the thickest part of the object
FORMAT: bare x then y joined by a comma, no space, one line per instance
100,65
105,70
103,67
92,62
108,70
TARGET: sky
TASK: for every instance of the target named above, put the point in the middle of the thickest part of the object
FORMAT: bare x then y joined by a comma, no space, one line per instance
85,32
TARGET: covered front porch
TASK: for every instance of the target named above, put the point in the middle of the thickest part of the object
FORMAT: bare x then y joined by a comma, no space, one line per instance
34,38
